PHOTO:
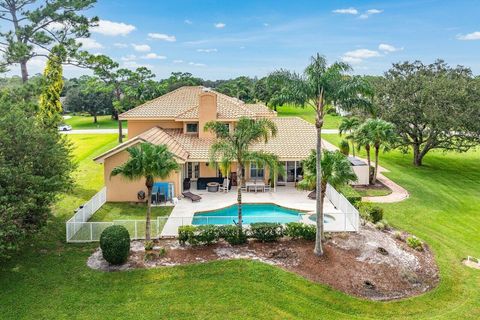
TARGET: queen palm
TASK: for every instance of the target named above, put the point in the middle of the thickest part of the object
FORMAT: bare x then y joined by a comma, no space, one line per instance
348,125
319,85
235,146
147,161
336,171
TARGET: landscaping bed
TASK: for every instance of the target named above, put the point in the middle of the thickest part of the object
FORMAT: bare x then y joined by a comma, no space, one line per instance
372,264
376,190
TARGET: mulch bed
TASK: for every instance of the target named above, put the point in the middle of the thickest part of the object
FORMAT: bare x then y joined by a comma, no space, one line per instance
370,264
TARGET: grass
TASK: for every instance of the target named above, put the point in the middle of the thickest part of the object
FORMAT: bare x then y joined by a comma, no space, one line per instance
331,121
127,211
372,191
86,122
50,280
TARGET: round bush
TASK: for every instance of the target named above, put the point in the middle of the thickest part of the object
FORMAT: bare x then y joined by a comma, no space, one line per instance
115,244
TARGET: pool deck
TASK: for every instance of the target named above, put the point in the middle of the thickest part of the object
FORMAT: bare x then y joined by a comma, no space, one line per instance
288,197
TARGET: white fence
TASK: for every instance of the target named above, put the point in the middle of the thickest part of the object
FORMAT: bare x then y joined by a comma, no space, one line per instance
351,214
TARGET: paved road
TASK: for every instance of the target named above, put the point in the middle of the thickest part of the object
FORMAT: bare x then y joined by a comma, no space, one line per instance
125,131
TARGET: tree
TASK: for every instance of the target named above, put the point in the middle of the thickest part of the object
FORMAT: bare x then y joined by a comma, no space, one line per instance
241,88
336,171
235,146
50,113
432,106
269,89
35,168
320,85
379,134
148,162
349,125
37,26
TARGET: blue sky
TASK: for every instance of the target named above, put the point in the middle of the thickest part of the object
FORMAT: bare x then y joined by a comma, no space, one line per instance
224,39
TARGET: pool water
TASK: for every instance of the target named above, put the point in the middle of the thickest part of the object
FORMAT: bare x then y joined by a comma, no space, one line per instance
251,213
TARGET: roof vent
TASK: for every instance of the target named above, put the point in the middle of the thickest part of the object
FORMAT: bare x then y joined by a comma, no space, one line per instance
205,89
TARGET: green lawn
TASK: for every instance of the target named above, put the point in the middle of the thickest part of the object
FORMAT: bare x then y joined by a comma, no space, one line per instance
331,121
127,211
84,122
49,279
373,192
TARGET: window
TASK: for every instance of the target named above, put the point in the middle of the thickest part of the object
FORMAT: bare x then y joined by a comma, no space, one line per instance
192,170
256,171
192,127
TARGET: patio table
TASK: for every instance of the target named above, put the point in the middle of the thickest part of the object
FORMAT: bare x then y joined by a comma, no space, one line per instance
260,185
213,186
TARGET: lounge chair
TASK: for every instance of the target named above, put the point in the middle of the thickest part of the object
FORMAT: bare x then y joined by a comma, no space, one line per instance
191,196
224,185
312,195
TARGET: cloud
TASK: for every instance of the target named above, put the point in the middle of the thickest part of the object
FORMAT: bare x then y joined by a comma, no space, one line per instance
141,47
162,36
387,48
187,21
89,43
369,12
153,56
120,45
110,28
135,65
129,57
350,10
197,64
207,50
469,36
178,61
266,24
357,56
219,25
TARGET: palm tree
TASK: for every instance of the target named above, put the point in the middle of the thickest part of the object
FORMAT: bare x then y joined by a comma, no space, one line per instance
379,134
336,171
147,161
348,125
235,146
363,139
320,85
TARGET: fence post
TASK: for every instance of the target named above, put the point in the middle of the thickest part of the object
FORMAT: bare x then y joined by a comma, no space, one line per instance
135,230
91,231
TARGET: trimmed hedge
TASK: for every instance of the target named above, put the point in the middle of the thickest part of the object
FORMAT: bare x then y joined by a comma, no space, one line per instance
351,194
266,231
115,244
370,212
299,230
233,235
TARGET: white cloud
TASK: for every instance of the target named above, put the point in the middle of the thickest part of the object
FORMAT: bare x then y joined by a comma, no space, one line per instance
219,25
89,43
135,64
187,21
469,36
350,10
178,61
129,57
141,47
369,12
162,36
357,56
153,56
120,45
207,50
56,26
197,64
386,48
110,28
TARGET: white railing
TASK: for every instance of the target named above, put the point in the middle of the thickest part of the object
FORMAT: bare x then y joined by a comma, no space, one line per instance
351,213
81,216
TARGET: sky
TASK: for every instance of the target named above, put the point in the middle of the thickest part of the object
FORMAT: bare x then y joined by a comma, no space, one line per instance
226,39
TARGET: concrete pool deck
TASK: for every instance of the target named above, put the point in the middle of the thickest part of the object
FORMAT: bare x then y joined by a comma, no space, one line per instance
288,197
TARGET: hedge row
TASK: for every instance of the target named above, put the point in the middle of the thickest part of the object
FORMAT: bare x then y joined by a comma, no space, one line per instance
264,231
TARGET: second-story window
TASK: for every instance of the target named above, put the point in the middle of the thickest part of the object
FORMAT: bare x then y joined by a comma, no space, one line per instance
192,127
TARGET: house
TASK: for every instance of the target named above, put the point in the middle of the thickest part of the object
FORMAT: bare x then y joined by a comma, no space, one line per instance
177,119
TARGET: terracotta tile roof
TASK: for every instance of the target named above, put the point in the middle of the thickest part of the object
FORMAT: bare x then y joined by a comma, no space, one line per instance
182,103
260,110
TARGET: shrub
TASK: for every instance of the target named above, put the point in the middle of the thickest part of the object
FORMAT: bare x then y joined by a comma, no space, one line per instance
149,245
296,230
344,147
376,214
232,234
266,231
187,234
398,235
415,243
207,234
382,225
351,194
369,212
115,244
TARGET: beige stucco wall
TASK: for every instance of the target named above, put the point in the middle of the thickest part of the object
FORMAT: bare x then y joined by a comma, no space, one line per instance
121,190
135,127
207,111
362,175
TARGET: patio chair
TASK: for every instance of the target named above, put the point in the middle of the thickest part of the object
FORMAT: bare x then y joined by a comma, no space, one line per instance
312,195
267,188
191,196
224,185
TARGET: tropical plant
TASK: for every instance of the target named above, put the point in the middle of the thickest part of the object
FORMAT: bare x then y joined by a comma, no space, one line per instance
336,171
147,161
344,147
235,146
348,126
320,85
378,134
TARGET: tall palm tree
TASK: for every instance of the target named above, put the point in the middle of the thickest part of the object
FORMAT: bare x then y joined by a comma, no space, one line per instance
319,85
379,134
235,146
147,161
348,125
363,139
336,171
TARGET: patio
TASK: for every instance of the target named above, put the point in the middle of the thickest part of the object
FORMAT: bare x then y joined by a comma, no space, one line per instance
288,197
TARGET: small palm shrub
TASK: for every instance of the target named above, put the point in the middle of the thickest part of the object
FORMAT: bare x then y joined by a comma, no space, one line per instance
298,230
115,244
382,225
344,147
266,231
415,243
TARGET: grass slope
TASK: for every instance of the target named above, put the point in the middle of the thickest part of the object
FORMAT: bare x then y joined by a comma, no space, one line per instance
50,280
84,122
331,121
